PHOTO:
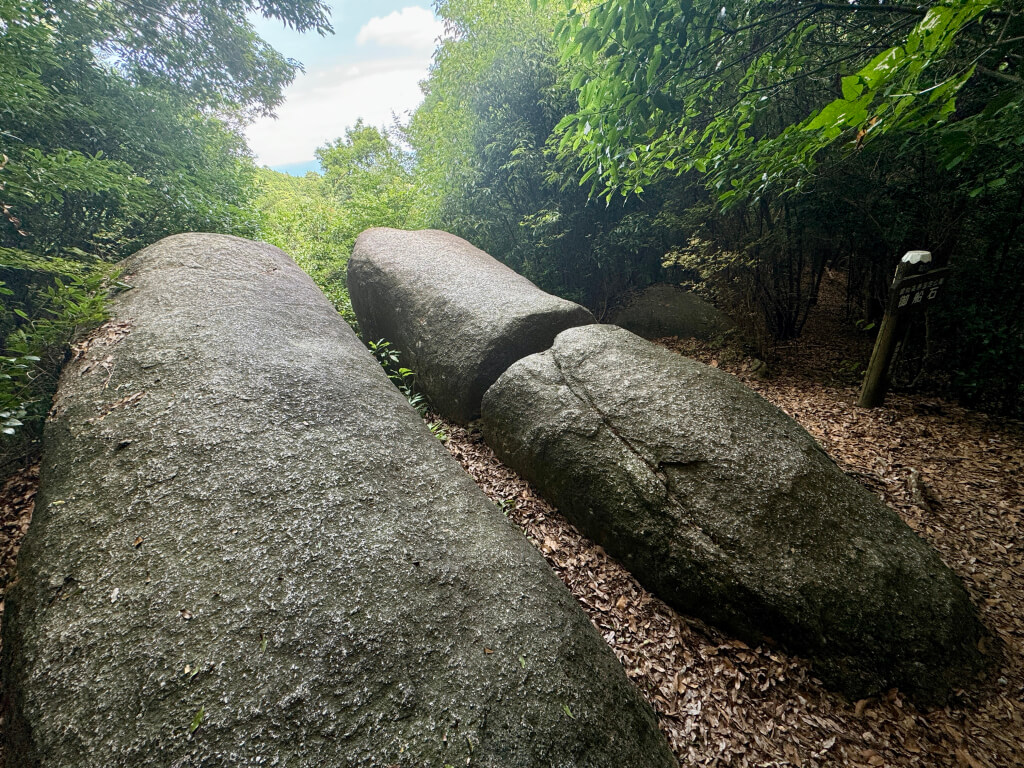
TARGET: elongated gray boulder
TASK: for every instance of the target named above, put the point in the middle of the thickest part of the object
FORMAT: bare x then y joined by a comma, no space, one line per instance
668,310
248,550
727,509
458,316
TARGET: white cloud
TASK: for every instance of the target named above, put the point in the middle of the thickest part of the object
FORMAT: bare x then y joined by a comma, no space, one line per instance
319,106
371,83
412,28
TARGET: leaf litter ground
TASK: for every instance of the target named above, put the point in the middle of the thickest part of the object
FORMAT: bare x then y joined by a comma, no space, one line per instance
955,476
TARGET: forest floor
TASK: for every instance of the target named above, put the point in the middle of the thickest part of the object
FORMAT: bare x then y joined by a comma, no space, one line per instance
955,476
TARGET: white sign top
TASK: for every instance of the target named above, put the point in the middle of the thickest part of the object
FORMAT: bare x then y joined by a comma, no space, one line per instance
917,257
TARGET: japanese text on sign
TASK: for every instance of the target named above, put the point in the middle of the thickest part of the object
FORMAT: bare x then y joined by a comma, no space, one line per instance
918,290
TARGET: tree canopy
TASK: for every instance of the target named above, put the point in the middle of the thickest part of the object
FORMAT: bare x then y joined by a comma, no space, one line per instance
751,148
756,95
119,123
121,118
206,50
367,182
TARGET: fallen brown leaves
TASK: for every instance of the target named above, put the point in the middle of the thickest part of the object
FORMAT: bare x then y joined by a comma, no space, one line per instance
17,501
955,477
106,335
125,402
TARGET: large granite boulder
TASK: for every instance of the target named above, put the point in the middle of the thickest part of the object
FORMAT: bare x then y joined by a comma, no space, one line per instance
248,550
729,510
668,310
458,316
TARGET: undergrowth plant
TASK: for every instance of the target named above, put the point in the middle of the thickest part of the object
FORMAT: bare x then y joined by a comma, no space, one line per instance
45,319
403,378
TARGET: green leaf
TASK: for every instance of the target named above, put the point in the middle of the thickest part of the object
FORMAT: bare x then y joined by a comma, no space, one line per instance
999,101
197,719
664,102
853,87
654,64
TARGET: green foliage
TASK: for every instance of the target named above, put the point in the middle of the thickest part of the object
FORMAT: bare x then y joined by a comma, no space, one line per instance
118,128
300,216
120,124
753,94
437,430
54,312
977,339
481,140
316,219
403,378
814,136
206,51
121,120
16,378
479,35
61,309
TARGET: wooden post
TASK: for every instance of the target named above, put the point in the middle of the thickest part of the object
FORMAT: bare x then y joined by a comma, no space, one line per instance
915,285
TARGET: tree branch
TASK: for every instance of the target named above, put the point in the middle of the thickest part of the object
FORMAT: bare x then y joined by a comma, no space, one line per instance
1000,75
854,7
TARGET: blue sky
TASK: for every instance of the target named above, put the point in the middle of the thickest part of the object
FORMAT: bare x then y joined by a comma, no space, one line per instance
369,68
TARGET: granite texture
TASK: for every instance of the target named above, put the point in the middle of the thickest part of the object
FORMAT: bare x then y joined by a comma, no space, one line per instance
458,316
249,551
727,509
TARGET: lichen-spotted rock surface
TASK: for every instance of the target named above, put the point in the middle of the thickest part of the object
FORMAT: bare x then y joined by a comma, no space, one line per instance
458,316
249,551
727,509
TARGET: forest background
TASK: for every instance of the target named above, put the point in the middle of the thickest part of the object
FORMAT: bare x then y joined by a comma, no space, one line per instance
748,150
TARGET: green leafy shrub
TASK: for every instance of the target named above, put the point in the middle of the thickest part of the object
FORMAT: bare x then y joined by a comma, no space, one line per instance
316,219
53,312
403,378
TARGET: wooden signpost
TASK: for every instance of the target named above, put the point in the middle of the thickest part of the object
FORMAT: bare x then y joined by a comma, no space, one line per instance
915,286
